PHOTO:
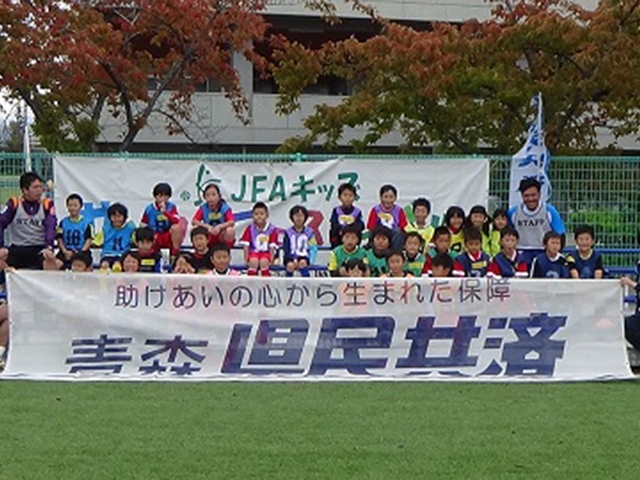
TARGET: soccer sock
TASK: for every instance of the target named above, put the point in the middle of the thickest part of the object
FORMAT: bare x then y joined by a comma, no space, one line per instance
304,271
252,272
265,273
3,350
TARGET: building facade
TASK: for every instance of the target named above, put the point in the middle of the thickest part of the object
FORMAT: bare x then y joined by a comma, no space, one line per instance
215,127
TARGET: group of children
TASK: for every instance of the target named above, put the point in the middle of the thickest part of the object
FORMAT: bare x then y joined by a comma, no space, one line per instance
128,248
472,245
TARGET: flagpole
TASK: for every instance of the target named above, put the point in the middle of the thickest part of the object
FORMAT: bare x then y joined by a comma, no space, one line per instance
26,141
540,136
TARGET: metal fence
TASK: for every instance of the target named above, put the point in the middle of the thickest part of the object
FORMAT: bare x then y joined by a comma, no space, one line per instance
600,191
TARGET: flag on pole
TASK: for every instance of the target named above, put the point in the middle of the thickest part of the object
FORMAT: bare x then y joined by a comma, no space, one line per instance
26,141
533,159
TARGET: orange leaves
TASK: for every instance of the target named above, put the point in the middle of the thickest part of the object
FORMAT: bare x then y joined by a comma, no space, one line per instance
110,49
468,86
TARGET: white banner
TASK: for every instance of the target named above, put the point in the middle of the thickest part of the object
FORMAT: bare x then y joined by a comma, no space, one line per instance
102,181
169,327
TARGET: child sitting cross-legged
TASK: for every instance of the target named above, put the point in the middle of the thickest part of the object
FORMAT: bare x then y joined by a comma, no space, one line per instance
200,258
300,248
115,237
260,240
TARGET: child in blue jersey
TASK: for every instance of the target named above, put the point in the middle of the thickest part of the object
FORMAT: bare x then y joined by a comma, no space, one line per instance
216,216
508,262
552,263
115,237
150,258
474,261
299,243
344,214
75,232
587,262
164,220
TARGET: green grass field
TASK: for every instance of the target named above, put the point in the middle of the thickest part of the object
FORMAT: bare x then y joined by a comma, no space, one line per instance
328,430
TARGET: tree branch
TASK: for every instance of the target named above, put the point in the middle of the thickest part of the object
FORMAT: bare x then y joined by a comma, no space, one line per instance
124,93
169,77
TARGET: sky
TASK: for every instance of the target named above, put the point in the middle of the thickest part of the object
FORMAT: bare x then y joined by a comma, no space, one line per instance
7,109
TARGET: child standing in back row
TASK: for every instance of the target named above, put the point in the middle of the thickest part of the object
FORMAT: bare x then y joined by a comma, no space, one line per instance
344,214
454,221
479,218
498,223
421,212
388,214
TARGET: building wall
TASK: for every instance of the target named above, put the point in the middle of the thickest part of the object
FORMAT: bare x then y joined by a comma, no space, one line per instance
425,10
215,126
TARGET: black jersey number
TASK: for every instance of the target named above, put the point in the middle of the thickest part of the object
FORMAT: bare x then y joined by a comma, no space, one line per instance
117,244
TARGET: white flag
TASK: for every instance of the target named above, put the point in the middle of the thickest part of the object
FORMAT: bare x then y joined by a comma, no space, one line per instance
533,159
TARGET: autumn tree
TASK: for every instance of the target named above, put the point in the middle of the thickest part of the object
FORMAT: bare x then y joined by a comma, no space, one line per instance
464,87
72,61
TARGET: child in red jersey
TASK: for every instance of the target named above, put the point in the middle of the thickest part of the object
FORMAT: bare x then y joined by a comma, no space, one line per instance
162,217
216,216
260,240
